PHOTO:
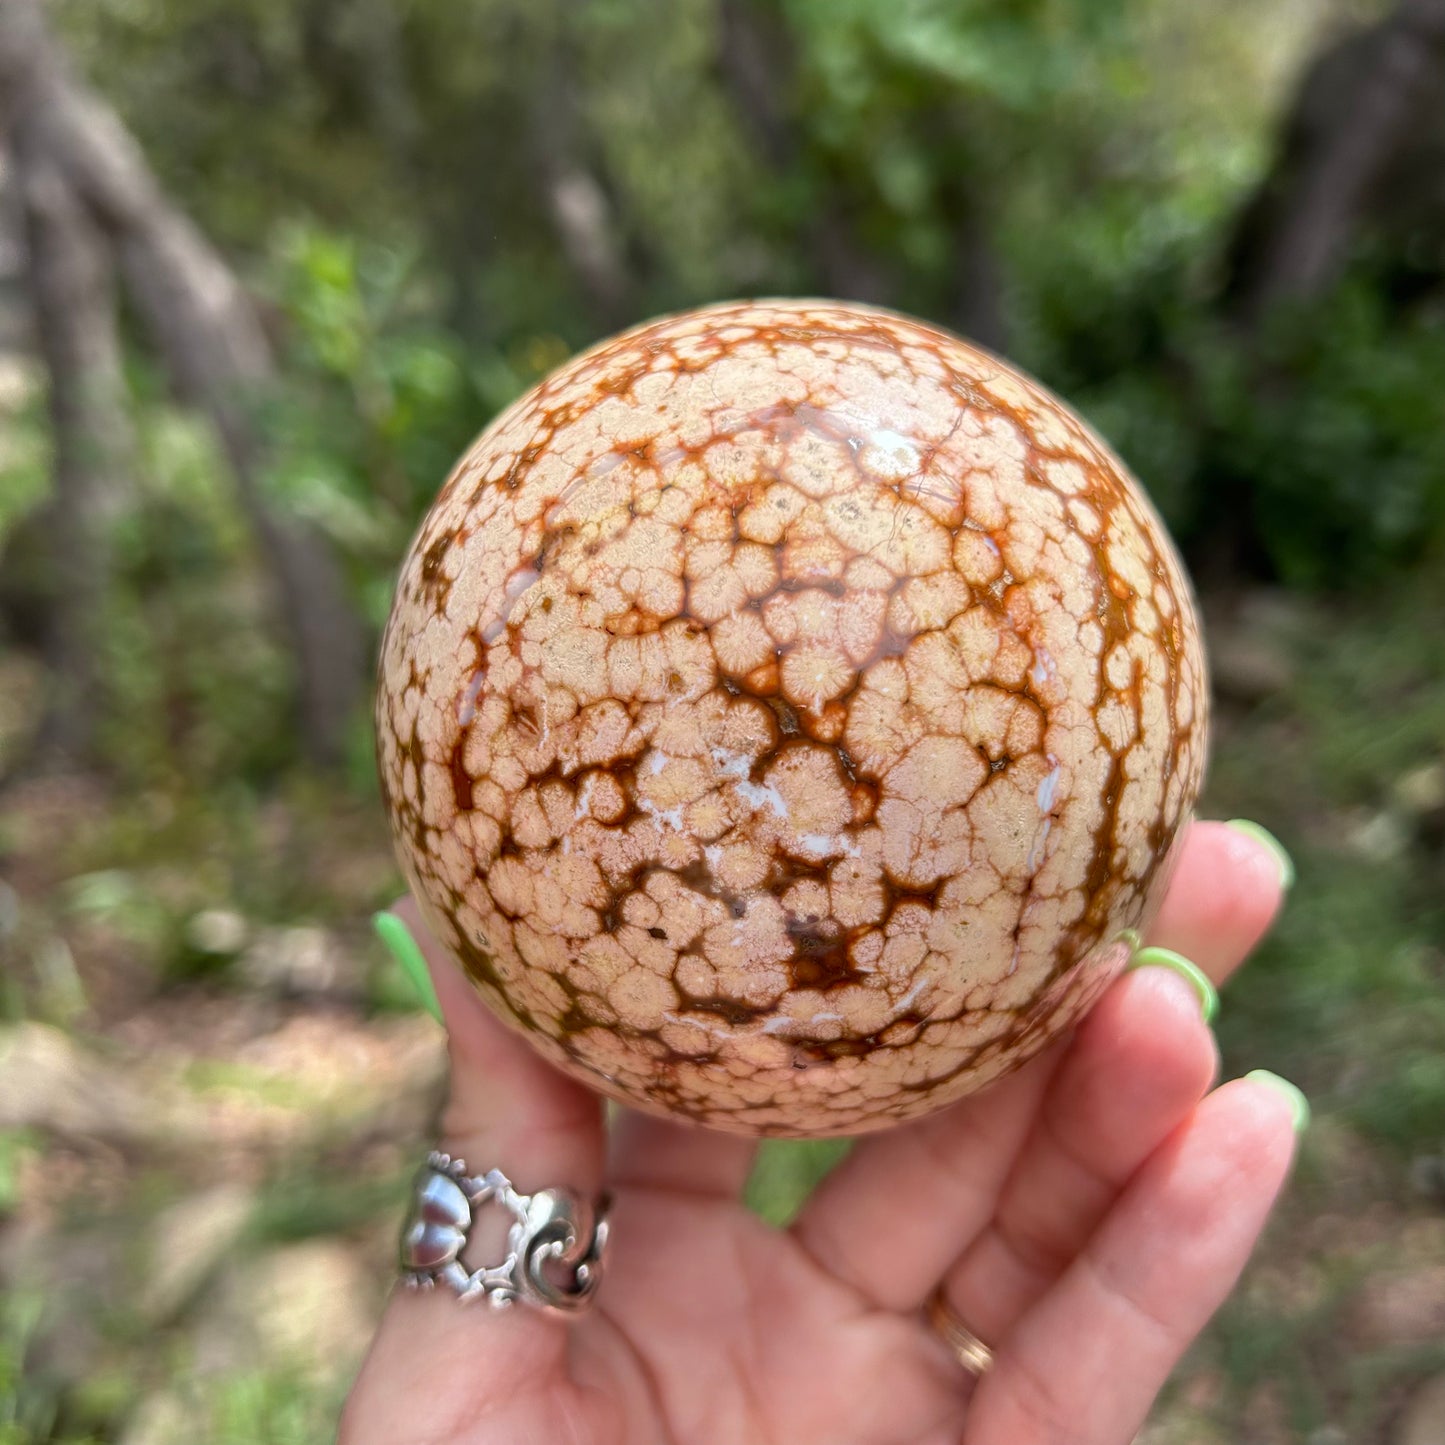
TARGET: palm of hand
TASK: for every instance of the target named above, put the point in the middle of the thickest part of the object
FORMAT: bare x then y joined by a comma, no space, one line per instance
1086,1217
726,1330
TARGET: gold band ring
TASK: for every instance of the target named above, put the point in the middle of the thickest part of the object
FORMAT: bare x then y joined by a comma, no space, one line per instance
971,1352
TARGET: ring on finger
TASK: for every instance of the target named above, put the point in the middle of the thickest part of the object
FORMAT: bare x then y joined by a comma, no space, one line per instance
968,1349
554,1246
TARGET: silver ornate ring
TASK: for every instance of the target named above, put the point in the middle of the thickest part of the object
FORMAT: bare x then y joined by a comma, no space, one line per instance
554,1245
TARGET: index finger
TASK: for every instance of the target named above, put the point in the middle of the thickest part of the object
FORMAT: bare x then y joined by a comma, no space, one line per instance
1226,892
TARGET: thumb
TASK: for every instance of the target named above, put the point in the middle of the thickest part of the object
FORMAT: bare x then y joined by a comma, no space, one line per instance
507,1109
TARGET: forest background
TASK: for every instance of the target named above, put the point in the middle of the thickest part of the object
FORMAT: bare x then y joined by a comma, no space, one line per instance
266,267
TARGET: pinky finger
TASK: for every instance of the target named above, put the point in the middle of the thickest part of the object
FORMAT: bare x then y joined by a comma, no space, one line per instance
1086,1363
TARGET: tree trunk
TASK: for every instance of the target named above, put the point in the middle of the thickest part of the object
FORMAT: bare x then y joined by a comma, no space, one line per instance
582,211
72,293
756,60
1358,107
210,339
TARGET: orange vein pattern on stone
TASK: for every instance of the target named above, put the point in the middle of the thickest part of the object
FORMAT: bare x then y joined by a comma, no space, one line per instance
785,710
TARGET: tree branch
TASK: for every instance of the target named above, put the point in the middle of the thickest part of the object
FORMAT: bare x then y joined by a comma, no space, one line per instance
71,288
210,339
581,209
756,60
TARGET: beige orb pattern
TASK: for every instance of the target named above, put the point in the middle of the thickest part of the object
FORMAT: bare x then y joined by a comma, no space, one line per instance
787,714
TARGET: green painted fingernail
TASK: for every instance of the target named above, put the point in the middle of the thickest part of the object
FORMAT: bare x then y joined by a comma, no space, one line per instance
396,936
1263,835
1299,1105
1191,972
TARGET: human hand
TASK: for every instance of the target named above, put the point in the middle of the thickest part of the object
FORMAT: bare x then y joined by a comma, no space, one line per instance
1086,1216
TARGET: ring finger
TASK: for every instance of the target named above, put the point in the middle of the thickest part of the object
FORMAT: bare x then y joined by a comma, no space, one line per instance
1139,1065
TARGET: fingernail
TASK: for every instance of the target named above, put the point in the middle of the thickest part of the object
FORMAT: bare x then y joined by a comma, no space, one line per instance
399,943
1190,972
1263,835
1299,1105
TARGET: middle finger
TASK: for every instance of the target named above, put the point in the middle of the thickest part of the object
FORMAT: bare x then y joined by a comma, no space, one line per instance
1139,1064
954,1165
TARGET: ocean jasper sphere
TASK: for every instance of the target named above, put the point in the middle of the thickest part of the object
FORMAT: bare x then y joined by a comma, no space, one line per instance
787,716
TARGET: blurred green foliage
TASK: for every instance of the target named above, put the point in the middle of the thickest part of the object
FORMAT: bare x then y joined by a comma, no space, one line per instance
1065,174
1346,994
380,172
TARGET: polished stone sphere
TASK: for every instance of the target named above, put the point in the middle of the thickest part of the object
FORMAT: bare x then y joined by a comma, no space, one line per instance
787,716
